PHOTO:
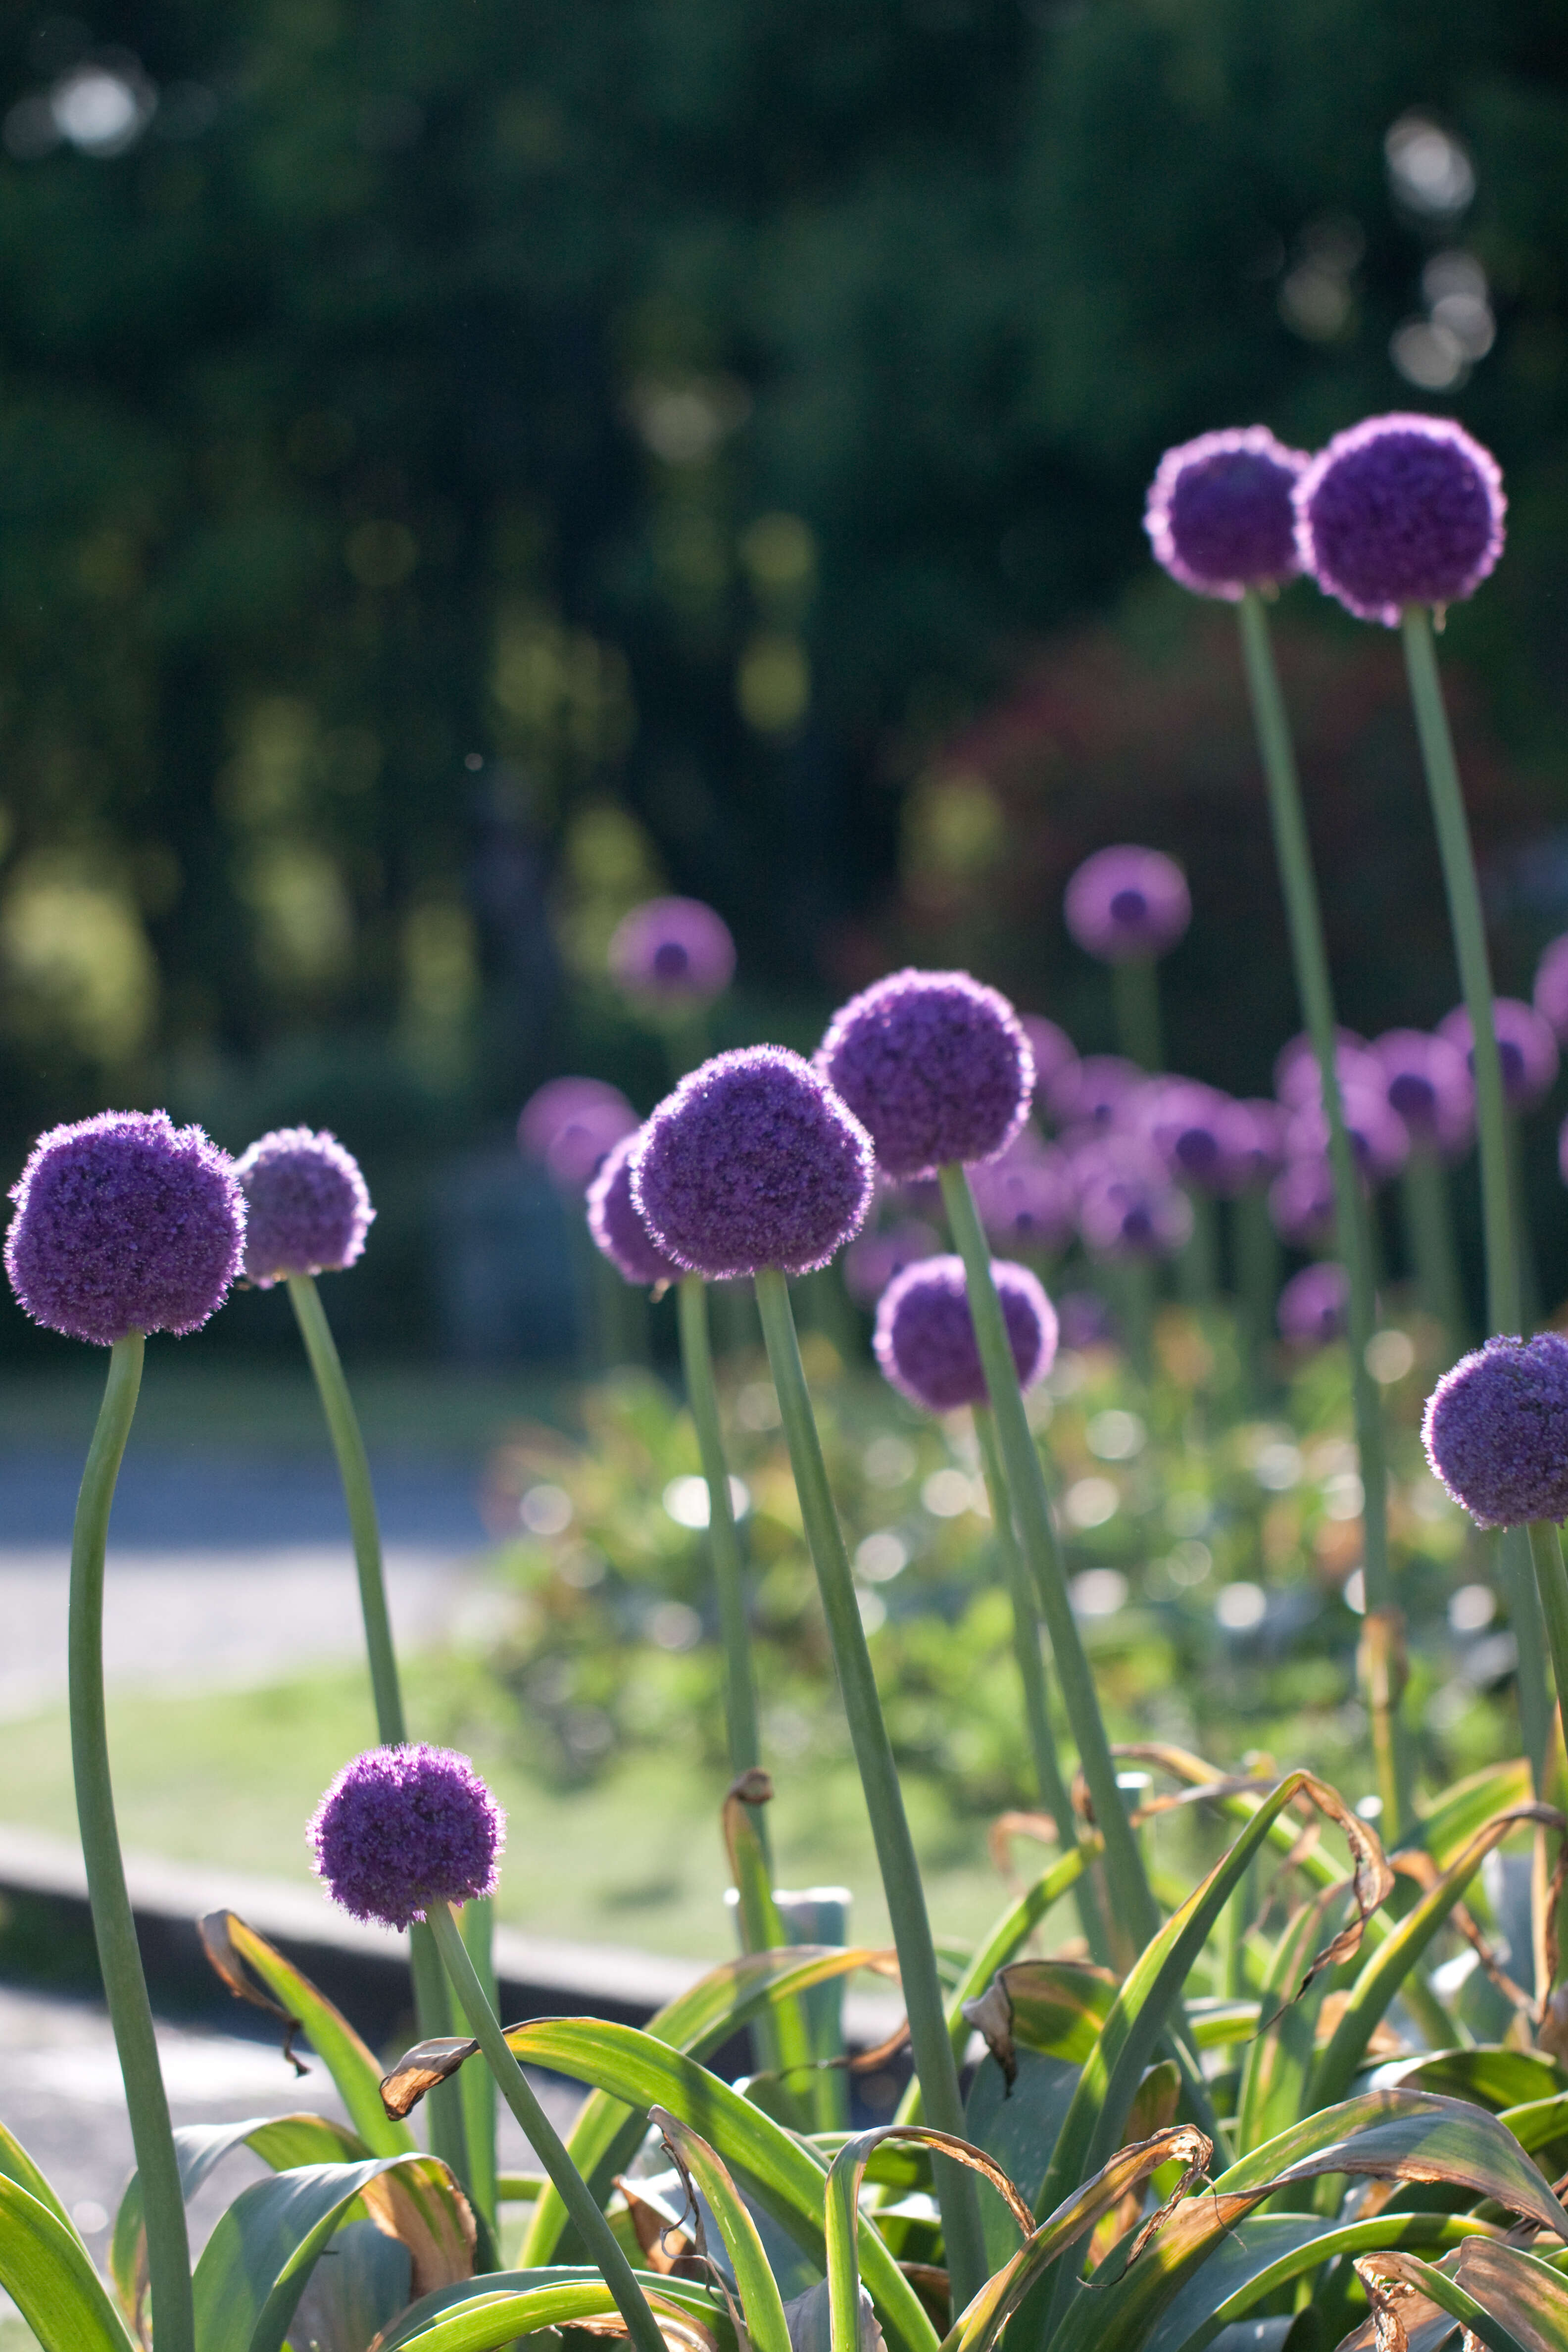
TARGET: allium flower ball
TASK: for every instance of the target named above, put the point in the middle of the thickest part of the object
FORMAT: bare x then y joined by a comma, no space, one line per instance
1378,1136
1526,1048
1125,904
616,1227
1128,1207
1052,1048
1428,1081
125,1223
673,951
402,1827
752,1161
873,1260
1204,1138
1314,1306
308,1208
570,1124
925,1339
1297,1079
1092,1093
936,1066
1551,989
1403,509
1301,1202
1219,515
1028,1198
1264,1153
1496,1431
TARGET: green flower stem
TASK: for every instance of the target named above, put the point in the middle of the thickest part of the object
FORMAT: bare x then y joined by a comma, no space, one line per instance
119,1959
1551,1578
1256,1249
1310,953
929,2043
1197,1265
1135,992
476,2084
448,2134
1429,1229
723,1544
598,2238
1053,1788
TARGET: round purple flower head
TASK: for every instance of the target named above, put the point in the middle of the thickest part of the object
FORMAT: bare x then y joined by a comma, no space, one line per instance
1052,1048
1378,1136
1128,1207
925,1339
1028,1198
673,951
1092,1093
1403,509
1204,1138
937,1067
402,1827
1562,1152
570,1124
1265,1154
125,1223
617,1229
1219,515
1125,903
1428,1081
1551,989
307,1204
1313,1306
1296,1078
1526,1048
1301,1202
1496,1431
873,1260
752,1161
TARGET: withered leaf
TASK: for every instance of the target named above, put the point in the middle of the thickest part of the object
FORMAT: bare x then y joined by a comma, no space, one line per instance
420,2069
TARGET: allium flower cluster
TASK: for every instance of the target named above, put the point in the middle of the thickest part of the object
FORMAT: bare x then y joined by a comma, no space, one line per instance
1551,989
752,1161
873,1260
1301,1204
936,1066
402,1827
1297,1078
1125,904
1028,1198
308,1207
1127,1206
1314,1306
673,951
1220,517
617,1228
1496,1431
1378,1136
1428,1081
1092,1093
1526,1048
125,1223
1204,1138
1052,1048
1402,510
925,1339
570,1124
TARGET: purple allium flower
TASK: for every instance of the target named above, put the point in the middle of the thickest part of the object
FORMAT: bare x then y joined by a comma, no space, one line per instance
402,1827
1085,1319
1266,1154
570,1124
925,1339
1496,1431
873,1260
1126,903
1301,1202
1297,1079
1219,515
936,1066
308,1207
1203,1137
617,1229
752,1161
1428,1081
1379,1137
1314,1306
1526,1048
1028,1198
1127,1206
1092,1093
1551,989
1403,509
1052,1048
125,1223
673,951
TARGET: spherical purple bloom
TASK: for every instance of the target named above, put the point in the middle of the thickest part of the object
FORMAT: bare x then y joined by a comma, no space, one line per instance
617,1229
1496,1431
752,1161
1551,989
125,1223
936,1066
1265,1154
1428,1081
1314,1306
402,1827
1127,903
1379,1137
1301,1202
1219,515
873,1260
1128,1207
1092,1093
1562,1152
1297,1079
1526,1048
925,1339
1403,509
673,951
1052,1048
1027,1198
308,1207
1204,1138
570,1125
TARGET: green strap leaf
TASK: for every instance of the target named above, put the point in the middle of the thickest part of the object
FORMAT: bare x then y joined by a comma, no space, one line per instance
844,2180
1254,2258
761,2304
44,2267
495,2310
1280,2061
1518,2287
1391,2280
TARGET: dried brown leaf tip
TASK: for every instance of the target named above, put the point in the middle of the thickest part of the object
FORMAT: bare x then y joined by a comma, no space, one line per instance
420,2069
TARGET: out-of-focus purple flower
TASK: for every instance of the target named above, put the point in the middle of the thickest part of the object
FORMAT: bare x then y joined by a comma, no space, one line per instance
1124,904
1379,1137
1204,1138
925,1340
1314,1306
873,1260
125,1223
617,1229
1301,1202
752,1161
1526,1048
1028,1198
308,1207
1127,1206
1092,1093
1551,989
1402,510
1297,1078
1496,1431
570,1124
934,1065
1052,1048
1265,1154
1085,1319
673,951
1219,516
1562,1152
1428,1081
402,1827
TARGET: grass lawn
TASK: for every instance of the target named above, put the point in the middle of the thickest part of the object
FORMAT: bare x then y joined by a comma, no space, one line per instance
636,1859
